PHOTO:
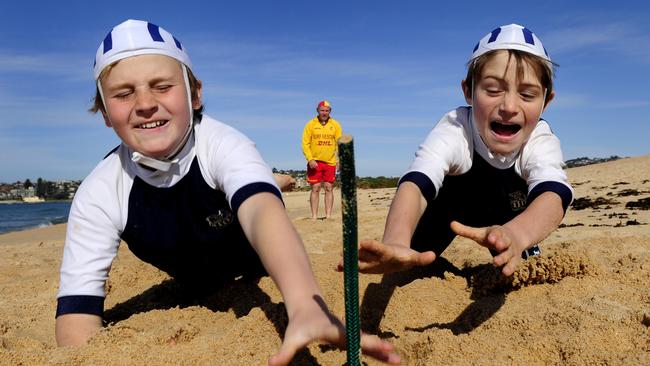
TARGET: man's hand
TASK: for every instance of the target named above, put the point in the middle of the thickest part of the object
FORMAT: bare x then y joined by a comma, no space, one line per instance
498,238
313,164
375,257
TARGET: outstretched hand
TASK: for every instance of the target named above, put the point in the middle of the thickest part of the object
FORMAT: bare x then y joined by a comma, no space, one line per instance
285,182
498,238
318,324
375,257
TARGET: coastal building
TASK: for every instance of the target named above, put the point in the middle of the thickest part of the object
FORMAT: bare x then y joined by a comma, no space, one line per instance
34,199
22,192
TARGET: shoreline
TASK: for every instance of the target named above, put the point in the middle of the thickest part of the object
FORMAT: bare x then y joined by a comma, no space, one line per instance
18,216
13,202
37,227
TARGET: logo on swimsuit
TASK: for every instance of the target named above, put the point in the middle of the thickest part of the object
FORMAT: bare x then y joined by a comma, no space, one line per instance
517,200
221,219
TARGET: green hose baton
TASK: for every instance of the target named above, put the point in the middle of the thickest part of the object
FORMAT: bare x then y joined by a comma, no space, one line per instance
350,254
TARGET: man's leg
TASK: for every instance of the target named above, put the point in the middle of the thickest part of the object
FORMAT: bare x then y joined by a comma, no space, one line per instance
329,199
313,200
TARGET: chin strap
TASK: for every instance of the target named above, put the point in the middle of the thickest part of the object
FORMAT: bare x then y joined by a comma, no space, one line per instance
153,163
165,163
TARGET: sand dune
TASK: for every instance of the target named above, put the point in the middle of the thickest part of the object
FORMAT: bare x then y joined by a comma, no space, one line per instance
584,301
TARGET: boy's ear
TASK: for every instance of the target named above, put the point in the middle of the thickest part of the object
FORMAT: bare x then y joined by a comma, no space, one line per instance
467,92
197,102
107,121
548,100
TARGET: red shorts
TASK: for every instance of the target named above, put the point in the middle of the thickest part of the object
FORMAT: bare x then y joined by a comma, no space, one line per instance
324,173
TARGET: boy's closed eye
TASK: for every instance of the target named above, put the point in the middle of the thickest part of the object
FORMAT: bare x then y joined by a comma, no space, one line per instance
121,94
530,93
493,91
162,87
528,96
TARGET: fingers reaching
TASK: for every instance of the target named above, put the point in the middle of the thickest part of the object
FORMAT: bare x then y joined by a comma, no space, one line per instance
380,350
296,339
334,334
479,235
425,258
509,260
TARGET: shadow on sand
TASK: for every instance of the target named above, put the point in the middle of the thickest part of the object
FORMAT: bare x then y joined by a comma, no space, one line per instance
377,296
170,294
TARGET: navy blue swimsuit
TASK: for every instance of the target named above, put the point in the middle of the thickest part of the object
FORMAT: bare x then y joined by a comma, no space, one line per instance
189,231
483,196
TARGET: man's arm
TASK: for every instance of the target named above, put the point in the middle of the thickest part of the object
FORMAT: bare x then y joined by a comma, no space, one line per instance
306,142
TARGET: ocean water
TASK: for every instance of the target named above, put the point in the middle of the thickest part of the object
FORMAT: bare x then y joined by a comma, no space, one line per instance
22,216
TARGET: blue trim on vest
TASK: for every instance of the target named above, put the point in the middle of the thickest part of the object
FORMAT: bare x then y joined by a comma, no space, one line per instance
560,189
427,188
248,190
80,304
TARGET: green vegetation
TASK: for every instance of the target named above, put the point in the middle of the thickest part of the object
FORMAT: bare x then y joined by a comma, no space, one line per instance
362,182
377,182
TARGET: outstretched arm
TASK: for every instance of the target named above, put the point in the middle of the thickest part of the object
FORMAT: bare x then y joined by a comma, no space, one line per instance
76,329
275,240
405,211
530,227
394,253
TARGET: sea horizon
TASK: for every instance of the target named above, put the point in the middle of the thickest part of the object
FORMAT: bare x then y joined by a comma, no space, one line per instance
19,216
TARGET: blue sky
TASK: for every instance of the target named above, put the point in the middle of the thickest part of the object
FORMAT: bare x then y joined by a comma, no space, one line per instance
390,69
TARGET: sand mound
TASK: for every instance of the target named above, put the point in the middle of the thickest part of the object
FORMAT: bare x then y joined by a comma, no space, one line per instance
534,271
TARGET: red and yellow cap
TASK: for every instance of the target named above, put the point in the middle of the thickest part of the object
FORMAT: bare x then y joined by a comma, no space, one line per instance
324,103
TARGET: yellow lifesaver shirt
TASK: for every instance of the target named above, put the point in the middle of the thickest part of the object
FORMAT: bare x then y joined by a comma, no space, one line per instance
319,142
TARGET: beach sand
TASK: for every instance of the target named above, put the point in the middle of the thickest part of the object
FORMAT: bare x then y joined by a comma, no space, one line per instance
584,301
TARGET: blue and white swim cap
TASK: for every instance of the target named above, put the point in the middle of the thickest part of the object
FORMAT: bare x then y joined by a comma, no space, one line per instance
137,37
134,38
511,37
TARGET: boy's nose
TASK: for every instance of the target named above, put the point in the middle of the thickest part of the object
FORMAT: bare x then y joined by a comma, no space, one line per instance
509,103
145,101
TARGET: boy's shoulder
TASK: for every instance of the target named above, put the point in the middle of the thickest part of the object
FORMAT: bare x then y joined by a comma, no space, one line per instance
459,116
542,141
107,175
112,163
542,127
456,120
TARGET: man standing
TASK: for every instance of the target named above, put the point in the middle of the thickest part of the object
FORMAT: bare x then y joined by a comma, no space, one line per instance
319,145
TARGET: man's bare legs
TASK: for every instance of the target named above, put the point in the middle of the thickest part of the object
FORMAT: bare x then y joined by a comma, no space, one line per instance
313,200
329,199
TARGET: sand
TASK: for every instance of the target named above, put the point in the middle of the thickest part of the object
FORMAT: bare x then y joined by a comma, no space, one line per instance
585,301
